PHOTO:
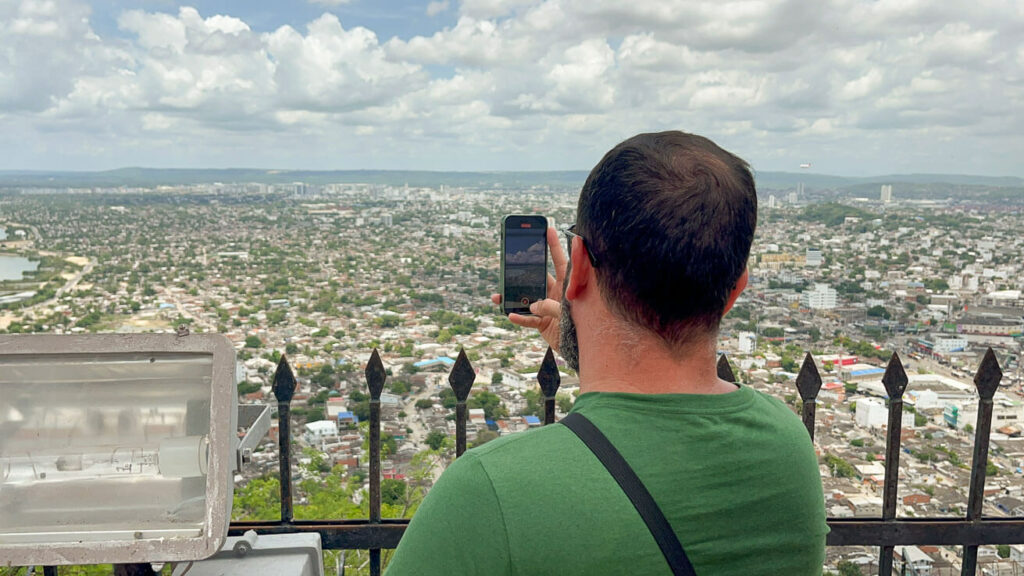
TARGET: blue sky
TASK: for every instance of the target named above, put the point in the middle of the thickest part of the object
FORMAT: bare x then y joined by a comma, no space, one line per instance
853,87
388,18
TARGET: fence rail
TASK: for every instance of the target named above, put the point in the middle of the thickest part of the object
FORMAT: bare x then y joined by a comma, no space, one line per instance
886,532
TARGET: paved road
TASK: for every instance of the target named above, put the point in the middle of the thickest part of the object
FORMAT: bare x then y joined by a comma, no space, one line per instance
415,421
70,285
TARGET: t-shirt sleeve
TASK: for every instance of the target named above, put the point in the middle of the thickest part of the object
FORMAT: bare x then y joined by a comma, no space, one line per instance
458,529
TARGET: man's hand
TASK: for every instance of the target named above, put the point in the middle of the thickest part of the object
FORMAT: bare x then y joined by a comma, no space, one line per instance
547,313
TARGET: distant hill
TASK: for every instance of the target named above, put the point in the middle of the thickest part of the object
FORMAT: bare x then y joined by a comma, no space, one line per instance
786,180
149,177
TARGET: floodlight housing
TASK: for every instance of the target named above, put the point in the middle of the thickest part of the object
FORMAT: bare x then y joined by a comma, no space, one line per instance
115,448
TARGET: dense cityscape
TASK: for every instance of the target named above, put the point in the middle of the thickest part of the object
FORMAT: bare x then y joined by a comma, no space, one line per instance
325,273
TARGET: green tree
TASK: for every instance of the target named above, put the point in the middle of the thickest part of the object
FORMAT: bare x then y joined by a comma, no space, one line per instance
565,403
361,410
491,404
840,468
423,404
448,399
847,568
879,312
484,436
435,439
259,499
534,404
991,469
388,321
789,364
253,341
392,491
497,378
400,387
246,387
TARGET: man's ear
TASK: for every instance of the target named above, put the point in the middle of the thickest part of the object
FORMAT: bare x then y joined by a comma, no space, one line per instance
579,274
741,283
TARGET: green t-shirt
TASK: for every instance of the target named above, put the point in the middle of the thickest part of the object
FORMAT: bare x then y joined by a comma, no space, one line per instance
735,475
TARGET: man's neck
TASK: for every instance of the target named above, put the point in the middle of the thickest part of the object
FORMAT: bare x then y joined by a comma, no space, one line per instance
643,365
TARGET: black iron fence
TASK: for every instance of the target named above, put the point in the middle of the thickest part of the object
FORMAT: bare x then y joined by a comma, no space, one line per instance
886,532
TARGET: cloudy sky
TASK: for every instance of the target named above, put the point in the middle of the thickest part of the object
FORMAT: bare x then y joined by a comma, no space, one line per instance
854,87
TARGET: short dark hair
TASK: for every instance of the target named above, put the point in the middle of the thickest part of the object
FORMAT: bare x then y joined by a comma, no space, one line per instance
670,218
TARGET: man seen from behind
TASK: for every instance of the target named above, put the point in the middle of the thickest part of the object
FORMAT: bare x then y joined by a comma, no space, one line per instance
657,256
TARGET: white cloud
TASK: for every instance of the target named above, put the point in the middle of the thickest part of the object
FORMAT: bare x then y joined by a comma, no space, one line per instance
471,42
44,47
331,3
492,8
333,68
520,83
863,86
437,7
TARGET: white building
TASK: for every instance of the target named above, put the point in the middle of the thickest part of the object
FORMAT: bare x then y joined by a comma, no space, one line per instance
1005,412
746,341
886,195
813,257
923,399
865,506
1004,298
947,345
772,202
871,413
336,406
822,297
316,432
916,559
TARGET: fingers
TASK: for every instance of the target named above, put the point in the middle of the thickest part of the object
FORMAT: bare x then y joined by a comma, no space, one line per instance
557,254
525,321
558,258
546,308
554,288
496,298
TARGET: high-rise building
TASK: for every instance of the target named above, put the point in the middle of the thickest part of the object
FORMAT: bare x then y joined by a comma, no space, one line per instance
821,297
871,413
771,202
796,195
886,194
813,257
746,342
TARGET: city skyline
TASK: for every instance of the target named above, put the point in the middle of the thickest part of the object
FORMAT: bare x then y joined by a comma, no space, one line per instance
851,88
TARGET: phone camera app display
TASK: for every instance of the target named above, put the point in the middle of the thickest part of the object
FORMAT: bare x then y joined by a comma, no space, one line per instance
525,266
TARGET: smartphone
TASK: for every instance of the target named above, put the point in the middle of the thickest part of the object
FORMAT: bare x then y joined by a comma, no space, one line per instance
524,262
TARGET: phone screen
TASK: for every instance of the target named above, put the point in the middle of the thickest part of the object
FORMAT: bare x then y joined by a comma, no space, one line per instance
524,262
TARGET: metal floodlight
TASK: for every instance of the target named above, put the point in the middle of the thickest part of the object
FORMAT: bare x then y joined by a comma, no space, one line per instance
115,448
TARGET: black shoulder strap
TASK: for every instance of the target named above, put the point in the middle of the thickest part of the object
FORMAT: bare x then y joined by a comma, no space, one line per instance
634,489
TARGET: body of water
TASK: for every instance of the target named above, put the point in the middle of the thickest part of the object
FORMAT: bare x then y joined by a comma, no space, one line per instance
12,267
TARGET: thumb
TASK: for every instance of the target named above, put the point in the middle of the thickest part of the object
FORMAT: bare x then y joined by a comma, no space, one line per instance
547,308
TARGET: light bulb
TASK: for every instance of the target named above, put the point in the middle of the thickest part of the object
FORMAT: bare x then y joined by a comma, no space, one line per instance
182,457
